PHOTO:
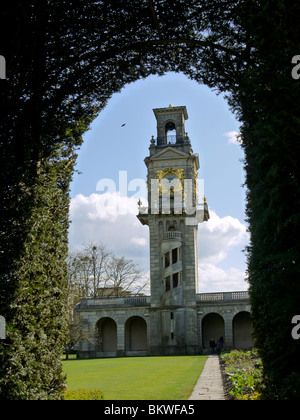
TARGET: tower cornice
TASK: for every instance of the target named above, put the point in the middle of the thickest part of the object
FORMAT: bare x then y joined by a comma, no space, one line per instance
171,110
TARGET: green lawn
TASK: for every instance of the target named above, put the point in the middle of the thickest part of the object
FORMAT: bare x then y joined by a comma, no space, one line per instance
137,378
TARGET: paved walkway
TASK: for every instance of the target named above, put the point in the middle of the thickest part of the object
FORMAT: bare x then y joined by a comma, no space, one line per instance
210,384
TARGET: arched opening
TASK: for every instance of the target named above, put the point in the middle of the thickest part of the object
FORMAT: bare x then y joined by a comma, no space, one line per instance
132,148
213,327
170,132
242,331
136,334
106,330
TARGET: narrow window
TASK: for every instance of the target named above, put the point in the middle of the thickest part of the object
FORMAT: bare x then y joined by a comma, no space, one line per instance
174,256
167,259
168,284
175,280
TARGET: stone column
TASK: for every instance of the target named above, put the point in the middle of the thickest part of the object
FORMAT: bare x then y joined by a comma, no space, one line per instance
120,340
228,331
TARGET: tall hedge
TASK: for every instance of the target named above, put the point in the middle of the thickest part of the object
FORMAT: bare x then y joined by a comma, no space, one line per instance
34,296
270,112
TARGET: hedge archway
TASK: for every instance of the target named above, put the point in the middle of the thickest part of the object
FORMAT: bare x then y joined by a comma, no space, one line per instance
64,61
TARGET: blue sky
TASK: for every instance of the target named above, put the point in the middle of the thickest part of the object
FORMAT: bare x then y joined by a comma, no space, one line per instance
110,148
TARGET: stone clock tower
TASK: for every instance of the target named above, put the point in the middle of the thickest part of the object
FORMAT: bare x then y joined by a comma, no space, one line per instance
173,214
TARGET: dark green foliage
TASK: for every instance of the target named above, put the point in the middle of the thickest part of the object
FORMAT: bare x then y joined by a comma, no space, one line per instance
64,61
38,152
270,110
33,298
265,36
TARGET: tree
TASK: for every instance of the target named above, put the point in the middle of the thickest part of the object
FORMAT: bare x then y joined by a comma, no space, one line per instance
87,268
263,95
125,278
95,272
77,333
270,113
33,295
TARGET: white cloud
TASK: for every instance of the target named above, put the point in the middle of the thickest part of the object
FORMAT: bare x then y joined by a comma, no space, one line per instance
233,137
212,278
217,236
139,241
108,206
111,218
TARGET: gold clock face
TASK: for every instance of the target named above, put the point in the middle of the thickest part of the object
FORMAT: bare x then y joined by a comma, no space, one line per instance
171,184
171,180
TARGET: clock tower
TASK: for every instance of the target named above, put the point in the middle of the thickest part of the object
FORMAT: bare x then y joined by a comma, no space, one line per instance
173,215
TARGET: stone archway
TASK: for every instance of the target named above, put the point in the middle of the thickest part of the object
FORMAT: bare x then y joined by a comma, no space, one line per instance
213,327
106,335
136,334
242,331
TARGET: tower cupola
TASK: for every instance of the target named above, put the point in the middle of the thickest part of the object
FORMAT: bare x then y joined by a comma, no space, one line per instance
171,129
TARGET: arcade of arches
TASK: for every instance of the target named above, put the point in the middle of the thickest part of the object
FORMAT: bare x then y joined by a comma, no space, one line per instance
107,335
213,327
116,337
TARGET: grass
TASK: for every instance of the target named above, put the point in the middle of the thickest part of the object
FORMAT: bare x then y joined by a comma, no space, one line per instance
137,378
